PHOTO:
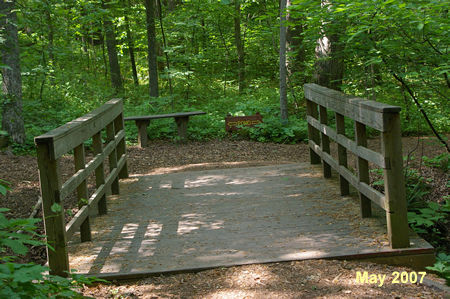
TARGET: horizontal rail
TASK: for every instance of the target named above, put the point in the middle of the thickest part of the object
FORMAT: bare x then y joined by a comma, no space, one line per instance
68,136
372,194
83,174
371,113
72,136
83,213
351,145
157,116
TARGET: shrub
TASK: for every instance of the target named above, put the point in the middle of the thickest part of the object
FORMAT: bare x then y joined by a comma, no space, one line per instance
29,280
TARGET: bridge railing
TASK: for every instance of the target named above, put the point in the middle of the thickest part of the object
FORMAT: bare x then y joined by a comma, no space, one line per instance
69,138
382,117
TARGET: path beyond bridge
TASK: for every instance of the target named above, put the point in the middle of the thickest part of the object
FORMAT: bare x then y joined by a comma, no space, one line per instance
203,219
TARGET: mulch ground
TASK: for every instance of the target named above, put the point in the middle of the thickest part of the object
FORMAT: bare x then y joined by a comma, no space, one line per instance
330,279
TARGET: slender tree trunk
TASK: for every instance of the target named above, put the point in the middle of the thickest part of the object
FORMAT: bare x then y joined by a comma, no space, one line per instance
114,68
51,32
12,121
104,58
131,53
329,67
283,73
131,48
151,42
296,58
165,52
239,45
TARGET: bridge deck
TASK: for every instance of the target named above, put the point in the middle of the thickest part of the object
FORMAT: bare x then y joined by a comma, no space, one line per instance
204,219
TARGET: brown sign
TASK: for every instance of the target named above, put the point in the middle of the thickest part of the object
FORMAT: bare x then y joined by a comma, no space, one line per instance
232,122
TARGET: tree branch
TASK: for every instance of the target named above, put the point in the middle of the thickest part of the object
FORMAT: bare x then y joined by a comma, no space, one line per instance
399,79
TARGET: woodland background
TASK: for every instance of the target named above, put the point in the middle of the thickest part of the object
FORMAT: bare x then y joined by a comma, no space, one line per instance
61,59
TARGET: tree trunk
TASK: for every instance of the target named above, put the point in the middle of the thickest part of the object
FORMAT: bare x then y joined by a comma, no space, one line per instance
131,47
165,52
114,68
12,121
151,42
51,32
296,58
283,74
329,67
239,45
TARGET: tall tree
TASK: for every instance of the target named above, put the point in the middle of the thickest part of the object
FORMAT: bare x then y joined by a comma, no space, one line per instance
283,72
295,62
12,120
239,45
151,43
111,45
329,66
130,44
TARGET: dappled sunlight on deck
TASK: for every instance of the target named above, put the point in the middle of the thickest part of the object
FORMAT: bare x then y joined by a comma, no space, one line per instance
203,219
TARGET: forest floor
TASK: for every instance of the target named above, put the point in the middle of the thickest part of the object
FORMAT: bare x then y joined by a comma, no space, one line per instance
316,278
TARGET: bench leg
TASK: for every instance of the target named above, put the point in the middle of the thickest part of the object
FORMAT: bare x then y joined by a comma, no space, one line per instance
142,132
182,127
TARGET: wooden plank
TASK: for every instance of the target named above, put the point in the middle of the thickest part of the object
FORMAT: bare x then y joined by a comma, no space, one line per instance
342,154
121,145
325,141
69,135
97,144
394,185
313,134
110,136
83,213
182,122
49,178
364,188
82,174
371,113
155,229
351,145
149,117
82,192
142,132
77,221
113,175
363,169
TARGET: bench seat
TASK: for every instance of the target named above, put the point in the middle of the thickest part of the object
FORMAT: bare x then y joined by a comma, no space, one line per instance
142,122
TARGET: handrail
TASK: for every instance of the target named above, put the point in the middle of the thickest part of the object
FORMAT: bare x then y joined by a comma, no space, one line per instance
382,117
51,146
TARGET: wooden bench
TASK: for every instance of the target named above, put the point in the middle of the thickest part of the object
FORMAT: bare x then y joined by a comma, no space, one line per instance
181,120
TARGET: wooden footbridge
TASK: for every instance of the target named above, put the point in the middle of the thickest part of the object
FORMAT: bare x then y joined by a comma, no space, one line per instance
202,219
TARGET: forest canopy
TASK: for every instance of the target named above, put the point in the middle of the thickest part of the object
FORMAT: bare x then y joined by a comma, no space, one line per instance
221,57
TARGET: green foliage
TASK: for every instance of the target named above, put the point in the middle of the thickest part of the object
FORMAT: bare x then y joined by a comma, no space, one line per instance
273,129
416,188
424,219
441,161
4,187
442,266
30,280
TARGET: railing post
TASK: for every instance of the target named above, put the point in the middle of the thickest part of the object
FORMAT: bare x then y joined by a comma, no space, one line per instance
58,259
363,169
121,147
110,136
313,134
82,192
342,153
394,183
325,141
99,172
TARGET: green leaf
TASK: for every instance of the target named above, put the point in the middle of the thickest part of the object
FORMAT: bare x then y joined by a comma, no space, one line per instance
16,246
56,208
